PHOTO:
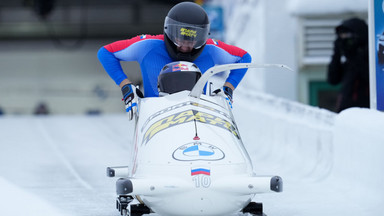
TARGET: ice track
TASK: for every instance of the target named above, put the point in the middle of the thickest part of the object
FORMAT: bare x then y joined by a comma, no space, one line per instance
331,164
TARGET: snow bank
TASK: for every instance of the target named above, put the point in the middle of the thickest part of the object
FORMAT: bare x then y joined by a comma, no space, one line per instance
359,137
359,149
15,201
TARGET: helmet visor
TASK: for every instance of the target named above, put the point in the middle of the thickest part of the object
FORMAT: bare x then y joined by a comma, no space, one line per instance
175,82
182,34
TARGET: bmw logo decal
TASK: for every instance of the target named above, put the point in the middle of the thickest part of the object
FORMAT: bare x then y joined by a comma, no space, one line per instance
198,151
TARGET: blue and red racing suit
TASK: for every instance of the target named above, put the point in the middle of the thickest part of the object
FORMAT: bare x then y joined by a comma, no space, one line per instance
150,52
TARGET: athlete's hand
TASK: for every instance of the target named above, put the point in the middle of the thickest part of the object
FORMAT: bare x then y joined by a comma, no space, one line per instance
130,99
229,92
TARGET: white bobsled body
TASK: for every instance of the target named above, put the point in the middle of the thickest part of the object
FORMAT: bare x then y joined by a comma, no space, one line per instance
189,159
189,146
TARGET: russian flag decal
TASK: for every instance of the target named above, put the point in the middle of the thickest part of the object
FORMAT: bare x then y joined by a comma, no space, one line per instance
198,171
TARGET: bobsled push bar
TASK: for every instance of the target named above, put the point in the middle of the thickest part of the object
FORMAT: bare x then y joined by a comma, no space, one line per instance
199,86
231,185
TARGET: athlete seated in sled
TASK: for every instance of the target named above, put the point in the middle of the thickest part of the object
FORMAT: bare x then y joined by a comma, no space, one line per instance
178,76
174,77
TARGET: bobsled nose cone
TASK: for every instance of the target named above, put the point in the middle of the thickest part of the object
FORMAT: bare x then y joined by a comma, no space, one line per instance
277,184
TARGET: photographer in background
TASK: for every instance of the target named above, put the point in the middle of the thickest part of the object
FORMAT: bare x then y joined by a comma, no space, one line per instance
349,65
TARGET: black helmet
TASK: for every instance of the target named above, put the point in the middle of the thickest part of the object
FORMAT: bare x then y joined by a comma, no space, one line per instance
186,22
178,76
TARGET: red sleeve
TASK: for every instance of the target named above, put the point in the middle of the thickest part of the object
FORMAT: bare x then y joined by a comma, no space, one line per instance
122,44
233,50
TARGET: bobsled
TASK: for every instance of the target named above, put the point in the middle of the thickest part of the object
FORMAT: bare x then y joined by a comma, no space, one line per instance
188,157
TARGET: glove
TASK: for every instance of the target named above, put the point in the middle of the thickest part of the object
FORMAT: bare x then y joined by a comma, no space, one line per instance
228,92
130,99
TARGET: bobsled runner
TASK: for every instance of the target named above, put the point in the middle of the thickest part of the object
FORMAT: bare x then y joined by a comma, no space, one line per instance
189,158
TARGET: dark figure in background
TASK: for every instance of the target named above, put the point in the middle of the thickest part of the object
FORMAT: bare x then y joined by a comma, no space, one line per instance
349,65
41,109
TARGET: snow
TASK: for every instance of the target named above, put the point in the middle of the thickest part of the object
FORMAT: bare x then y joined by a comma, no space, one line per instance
56,164
15,200
331,163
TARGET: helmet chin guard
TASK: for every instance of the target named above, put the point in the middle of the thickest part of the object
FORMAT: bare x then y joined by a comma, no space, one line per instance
180,56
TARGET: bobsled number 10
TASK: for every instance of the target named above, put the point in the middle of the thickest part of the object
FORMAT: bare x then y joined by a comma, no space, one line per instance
188,157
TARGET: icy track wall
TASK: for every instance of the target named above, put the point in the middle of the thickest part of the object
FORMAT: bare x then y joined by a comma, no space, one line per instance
321,155
285,134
